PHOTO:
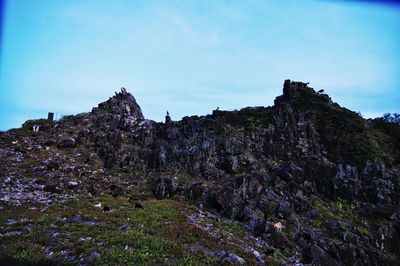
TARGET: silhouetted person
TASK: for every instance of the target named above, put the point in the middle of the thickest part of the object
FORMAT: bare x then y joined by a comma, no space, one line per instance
168,118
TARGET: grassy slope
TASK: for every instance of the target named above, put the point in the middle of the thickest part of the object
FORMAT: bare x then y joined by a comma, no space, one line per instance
157,234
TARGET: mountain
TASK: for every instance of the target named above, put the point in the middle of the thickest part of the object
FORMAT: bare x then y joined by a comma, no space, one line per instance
305,181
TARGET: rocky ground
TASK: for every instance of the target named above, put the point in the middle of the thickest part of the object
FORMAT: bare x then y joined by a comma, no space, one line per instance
302,182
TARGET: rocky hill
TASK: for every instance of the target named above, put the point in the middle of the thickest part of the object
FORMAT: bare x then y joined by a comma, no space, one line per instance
305,181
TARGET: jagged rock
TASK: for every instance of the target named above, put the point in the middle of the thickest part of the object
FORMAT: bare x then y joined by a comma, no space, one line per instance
52,188
121,111
321,258
67,143
378,210
164,187
195,191
229,257
304,175
51,164
284,209
116,191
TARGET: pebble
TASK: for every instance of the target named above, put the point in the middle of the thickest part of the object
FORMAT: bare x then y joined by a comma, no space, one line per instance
55,234
72,183
13,233
93,256
235,259
53,226
10,221
124,228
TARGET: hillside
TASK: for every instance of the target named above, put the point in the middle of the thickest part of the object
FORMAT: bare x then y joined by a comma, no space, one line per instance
305,181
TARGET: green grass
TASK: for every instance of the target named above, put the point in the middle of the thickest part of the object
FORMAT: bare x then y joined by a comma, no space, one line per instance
363,230
145,239
346,207
157,234
233,227
184,179
346,214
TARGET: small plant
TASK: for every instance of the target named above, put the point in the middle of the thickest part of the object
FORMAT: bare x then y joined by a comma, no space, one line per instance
323,211
188,260
184,179
28,125
232,227
65,118
346,206
318,222
363,230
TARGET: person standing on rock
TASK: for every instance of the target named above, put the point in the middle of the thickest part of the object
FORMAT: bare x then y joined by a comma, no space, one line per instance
167,118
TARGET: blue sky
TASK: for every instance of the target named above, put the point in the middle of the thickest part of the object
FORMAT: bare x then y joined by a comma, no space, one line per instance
189,57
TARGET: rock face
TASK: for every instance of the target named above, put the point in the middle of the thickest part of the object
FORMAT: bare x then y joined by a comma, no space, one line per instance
123,103
310,134
305,174
120,111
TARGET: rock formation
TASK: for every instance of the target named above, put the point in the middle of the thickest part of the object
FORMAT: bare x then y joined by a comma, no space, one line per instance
311,181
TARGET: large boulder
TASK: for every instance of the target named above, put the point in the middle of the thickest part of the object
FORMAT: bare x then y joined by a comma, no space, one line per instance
164,187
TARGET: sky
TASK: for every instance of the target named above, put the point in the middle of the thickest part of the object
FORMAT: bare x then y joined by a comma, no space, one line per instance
188,57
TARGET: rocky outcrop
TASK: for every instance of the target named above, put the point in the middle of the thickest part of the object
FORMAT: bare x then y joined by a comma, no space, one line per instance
120,111
263,164
305,176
